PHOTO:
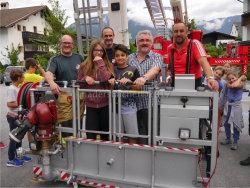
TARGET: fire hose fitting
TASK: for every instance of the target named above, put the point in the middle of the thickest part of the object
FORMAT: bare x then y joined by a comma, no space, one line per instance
110,162
56,151
21,152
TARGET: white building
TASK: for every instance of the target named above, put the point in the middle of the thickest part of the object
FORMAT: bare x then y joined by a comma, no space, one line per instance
236,29
17,26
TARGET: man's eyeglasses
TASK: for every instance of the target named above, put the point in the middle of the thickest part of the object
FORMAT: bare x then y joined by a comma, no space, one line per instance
66,43
98,51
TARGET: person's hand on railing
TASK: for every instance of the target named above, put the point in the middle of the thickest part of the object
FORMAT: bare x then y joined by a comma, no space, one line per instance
112,81
90,80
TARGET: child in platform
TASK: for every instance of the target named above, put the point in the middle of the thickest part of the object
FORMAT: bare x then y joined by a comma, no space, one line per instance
31,66
125,73
96,68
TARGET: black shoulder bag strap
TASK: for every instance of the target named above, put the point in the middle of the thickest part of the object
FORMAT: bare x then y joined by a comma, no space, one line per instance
188,60
173,74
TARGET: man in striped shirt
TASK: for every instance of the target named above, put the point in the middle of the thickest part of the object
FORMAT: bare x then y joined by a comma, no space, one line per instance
149,65
198,57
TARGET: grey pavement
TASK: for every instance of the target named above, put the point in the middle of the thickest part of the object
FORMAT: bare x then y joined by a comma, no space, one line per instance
228,171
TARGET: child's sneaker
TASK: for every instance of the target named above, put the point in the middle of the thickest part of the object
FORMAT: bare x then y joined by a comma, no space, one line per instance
25,159
225,142
3,145
234,146
15,162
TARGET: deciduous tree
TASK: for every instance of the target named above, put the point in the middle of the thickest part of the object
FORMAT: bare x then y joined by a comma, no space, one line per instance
12,54
54,30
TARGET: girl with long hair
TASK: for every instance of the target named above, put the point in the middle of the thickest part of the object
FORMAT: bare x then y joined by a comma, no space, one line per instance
96,68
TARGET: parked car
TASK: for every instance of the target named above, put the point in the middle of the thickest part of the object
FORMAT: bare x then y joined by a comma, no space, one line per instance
1,78
7,79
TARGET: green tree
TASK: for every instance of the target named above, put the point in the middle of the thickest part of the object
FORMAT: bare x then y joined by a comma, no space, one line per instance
214,51
170,33
1,67
12,54
54,29
248,73
133,49
239,38
193,25
57,19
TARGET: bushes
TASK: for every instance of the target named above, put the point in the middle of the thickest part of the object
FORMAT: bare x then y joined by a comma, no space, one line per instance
248,71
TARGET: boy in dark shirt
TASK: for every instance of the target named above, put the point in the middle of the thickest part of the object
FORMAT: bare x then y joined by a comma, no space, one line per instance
123,74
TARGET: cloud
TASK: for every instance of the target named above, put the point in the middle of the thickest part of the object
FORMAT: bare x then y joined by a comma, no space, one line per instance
138,13
197,9
214,25
209,10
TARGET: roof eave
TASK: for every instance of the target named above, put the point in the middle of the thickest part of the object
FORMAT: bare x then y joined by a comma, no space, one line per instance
25,17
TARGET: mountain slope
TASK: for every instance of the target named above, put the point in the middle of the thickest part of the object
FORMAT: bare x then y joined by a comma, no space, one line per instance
222,25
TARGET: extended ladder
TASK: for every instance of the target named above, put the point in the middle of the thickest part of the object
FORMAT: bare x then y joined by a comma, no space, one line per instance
158,17
83,17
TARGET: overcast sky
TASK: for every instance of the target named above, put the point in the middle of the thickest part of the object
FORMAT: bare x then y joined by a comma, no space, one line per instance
197,9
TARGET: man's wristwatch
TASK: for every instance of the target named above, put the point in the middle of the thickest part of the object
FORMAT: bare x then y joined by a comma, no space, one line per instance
146,79
210,77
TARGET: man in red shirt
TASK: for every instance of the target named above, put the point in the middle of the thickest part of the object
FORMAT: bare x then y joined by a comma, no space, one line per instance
198,57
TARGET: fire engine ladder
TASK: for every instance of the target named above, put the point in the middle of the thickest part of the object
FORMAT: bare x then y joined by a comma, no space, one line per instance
158,17
84,19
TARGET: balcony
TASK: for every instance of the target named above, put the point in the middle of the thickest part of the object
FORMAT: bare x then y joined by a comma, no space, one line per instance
34,36
245,18
29,44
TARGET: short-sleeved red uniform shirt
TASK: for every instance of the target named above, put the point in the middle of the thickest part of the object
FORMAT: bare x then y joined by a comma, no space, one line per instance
180,58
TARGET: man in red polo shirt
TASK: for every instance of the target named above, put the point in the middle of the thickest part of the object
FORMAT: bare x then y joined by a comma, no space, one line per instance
198,57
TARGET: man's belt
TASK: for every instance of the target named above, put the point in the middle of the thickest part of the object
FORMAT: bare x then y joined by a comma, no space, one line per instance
9,114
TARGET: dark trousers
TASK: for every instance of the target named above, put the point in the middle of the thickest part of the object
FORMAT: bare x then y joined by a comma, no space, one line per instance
97,119
69,124
142,120
12,145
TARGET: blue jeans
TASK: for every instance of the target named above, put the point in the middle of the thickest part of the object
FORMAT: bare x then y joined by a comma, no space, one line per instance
227,126
12,145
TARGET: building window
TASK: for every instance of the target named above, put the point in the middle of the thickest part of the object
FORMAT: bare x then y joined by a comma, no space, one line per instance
18,27
35,29
30,48
24,28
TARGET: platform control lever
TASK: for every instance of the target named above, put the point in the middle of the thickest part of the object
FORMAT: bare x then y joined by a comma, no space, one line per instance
184,99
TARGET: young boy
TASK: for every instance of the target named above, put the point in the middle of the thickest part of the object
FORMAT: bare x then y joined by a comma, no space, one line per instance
31,66
17,78
123,74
